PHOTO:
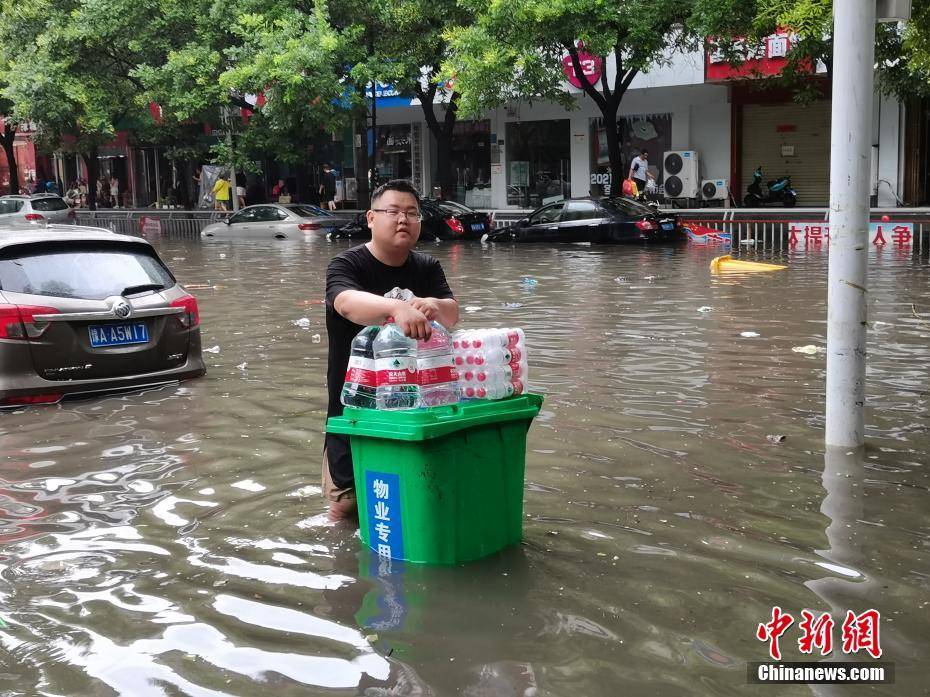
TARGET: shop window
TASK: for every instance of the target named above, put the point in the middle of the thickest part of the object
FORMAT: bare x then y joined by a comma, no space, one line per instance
394,152
471,164
538,162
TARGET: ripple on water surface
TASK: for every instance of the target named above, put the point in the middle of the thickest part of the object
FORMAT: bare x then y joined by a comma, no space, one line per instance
174,541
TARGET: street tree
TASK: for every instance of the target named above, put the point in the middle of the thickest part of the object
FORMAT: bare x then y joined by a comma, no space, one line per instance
902,50
69,72
417,41
513,52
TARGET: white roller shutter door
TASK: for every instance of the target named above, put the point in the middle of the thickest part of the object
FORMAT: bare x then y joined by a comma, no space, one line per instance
767,127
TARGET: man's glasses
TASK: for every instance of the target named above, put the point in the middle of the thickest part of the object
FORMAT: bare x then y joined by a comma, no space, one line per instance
393,214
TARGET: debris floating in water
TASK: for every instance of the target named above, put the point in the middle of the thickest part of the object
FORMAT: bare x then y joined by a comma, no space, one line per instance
242,366
809,350
512,306
528,281
212,349
775,438
471,309
705,308
303,322
749,335
316,338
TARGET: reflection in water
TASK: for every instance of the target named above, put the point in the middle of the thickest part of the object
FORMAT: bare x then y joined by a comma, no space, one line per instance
174,541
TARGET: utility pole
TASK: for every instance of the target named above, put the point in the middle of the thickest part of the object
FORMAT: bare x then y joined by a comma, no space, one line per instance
850,162
850,166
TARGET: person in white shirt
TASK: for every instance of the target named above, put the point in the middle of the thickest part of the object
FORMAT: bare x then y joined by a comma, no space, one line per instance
639,170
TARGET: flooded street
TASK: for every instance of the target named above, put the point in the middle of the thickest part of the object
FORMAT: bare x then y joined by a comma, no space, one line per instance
174,542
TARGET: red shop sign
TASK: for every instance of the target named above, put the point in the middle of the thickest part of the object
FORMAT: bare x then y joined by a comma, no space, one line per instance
590,66
766,59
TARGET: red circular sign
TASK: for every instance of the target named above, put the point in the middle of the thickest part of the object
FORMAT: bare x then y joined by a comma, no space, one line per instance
590,66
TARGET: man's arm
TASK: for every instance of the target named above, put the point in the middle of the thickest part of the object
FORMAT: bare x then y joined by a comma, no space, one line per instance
369,309
443,310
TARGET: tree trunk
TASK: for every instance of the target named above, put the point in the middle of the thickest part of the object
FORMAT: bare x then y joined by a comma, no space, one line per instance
442,132
617,173
7,138
93,171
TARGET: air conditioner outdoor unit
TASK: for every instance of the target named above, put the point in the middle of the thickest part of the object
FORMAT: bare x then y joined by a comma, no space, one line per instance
715,190
680,169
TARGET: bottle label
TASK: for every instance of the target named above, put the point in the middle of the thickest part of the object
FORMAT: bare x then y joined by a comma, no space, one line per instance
397,370
361,371
436,370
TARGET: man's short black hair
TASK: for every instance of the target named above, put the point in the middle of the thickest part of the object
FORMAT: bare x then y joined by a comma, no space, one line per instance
401,185
644,152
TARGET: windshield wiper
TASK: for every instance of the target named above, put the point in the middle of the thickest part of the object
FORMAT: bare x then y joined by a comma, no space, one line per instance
132,290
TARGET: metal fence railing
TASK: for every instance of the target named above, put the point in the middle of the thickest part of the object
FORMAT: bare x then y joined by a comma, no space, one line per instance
761,229
781,235
174,223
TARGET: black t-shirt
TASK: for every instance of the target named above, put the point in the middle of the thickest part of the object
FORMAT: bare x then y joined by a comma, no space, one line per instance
358,269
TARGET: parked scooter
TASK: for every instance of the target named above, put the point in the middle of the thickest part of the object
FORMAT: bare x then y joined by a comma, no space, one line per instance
777,191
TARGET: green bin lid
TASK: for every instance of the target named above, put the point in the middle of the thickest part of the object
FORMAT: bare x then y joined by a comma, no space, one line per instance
435,422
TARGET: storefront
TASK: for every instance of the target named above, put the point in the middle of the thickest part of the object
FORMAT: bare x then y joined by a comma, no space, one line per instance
636,132
783,138
471,163
538,162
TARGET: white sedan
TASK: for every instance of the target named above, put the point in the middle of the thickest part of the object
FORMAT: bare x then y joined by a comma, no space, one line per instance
274,221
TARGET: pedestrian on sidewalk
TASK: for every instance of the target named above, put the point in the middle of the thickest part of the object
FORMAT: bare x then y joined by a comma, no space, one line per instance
328,188
221,192
639,171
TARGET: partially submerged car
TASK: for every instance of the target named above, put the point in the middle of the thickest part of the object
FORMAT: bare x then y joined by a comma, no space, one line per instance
89,312
282,221
599,220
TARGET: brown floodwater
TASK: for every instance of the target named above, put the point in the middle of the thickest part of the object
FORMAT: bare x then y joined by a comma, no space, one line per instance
174,542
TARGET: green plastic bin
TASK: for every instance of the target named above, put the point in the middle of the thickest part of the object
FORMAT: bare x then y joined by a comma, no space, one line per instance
441,485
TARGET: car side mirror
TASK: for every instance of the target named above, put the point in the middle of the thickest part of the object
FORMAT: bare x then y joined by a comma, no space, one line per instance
226,220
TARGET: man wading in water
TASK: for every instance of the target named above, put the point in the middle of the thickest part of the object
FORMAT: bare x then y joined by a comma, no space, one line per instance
356,282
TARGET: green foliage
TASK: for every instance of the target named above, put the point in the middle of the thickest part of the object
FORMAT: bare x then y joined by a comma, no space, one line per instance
513,50
67,67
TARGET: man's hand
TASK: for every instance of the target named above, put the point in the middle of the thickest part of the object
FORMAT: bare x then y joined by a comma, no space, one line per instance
428,306
412,321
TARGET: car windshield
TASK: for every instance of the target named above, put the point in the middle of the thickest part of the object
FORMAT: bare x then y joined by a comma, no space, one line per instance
49,204
305,211
92,271
10,205
626,206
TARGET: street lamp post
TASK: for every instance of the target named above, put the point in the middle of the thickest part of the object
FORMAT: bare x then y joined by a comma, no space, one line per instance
850,160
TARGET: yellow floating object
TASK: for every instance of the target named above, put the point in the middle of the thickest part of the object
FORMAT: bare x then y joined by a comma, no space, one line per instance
727,263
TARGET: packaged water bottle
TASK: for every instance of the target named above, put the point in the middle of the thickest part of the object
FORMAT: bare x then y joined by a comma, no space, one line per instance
436,368
493,356
396,368
361,378
493,390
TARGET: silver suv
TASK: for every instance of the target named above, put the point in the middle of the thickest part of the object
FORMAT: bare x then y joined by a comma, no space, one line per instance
38,209
89,312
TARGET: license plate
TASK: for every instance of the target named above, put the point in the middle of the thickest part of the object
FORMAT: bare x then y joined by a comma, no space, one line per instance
668,226
118,334
477,227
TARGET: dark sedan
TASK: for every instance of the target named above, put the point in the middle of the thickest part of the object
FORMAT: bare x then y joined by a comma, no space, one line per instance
89,312
604,220
442,220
